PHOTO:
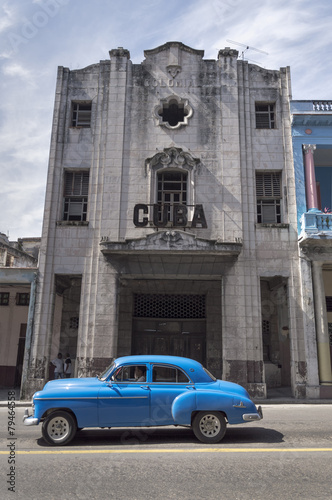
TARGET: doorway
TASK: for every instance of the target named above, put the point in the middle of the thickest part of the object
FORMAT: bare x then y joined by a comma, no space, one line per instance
275,332
170,325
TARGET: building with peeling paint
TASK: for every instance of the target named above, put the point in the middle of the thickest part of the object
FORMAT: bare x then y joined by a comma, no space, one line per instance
312,146
170,221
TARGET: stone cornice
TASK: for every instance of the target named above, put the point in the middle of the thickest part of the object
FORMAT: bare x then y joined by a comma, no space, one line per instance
170,242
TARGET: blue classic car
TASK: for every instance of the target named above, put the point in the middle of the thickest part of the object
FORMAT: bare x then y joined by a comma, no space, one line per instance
142,391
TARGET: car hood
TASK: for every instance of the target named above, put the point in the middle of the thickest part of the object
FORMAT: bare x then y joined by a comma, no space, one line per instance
64,388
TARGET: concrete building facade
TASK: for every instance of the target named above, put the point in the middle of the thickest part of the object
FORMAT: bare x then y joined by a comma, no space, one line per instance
170,220
312,146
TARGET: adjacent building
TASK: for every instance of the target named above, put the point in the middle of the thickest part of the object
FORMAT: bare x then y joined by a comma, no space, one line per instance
18,276
170,222
312,145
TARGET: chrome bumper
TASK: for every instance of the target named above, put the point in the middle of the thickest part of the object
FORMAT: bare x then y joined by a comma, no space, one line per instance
29,420
248,417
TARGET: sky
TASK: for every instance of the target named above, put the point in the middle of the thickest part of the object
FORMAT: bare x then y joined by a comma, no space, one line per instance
37,36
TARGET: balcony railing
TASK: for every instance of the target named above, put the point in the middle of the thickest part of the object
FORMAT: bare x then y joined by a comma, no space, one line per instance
322,105
317,223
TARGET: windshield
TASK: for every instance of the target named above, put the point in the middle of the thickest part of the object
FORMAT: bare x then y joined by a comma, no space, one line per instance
106,373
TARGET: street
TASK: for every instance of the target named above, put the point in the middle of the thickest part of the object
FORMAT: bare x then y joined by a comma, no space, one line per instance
286,455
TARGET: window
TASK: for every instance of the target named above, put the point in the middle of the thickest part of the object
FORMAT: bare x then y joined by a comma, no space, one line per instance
173,112
22,299
268,192
265,115
76,190
172,190
4,299
169,375
328,304
81,115
136,373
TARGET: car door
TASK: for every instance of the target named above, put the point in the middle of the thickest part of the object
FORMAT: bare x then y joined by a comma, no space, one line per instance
168,382
124,400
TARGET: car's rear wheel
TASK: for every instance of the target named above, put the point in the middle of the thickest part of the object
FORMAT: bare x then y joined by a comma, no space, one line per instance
59,428
209,426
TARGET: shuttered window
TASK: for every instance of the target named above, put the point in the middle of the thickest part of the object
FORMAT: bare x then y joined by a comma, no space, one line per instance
76,191
268,193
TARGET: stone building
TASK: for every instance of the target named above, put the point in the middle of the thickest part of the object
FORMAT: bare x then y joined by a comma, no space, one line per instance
18,274
170,221
312,146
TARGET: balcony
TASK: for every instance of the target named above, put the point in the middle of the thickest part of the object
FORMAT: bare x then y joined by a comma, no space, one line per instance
316,225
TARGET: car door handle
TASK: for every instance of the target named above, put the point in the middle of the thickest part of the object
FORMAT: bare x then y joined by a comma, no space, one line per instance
146,387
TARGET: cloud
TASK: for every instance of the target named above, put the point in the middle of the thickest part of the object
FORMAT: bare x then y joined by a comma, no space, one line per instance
7,17
38,35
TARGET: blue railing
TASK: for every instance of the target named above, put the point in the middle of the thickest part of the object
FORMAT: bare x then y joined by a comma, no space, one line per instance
317,222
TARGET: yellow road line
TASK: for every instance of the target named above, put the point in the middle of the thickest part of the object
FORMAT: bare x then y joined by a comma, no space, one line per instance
195,450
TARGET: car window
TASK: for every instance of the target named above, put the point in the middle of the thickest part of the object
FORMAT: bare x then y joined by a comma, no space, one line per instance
130,373
168,374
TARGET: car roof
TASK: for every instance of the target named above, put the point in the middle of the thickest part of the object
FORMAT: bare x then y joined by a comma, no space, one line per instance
193,368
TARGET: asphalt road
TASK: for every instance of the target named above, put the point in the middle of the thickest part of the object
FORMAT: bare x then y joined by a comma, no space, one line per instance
288,455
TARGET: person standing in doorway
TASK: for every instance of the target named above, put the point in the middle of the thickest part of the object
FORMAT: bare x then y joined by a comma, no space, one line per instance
67,366
58,363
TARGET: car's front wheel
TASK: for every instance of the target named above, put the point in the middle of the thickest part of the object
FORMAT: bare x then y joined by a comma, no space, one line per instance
59,428
209,426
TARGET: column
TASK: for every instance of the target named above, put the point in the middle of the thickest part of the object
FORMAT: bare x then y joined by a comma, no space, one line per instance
323,344
310,177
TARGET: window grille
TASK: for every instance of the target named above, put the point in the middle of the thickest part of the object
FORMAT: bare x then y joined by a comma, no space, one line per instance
268,193
76,190
265,115
266,327
73,323
4,299
169,306
172,190
81,116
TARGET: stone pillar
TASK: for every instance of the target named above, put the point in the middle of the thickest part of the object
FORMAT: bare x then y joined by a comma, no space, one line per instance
323,344
310,177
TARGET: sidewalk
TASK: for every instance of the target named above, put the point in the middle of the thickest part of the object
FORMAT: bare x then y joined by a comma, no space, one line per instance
275,397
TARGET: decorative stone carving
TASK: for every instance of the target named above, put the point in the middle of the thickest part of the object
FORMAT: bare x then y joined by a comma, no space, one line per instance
173,157
174,69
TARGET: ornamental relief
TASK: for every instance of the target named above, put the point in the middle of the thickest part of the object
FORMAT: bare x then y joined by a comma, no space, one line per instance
172,158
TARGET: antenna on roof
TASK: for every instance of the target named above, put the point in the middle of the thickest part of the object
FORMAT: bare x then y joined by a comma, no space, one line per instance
246,48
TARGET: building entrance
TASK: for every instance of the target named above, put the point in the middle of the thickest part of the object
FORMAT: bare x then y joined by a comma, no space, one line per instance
170,325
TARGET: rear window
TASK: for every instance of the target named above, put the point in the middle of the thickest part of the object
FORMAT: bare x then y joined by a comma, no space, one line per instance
169,375
209,374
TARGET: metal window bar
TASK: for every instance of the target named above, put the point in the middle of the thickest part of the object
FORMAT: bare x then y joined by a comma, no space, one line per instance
81,116
172,190
265,116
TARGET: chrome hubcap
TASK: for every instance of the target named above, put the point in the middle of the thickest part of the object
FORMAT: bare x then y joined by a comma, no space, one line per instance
58,428
209,425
